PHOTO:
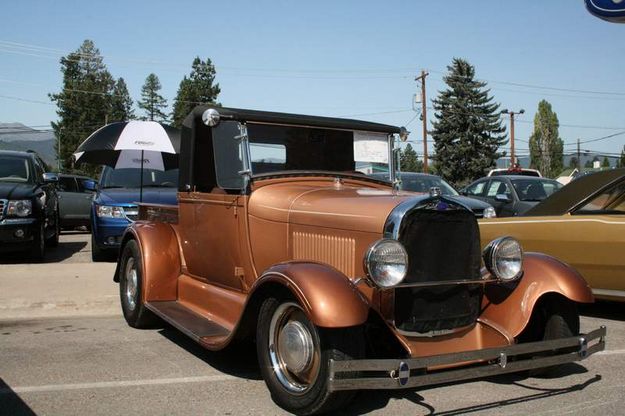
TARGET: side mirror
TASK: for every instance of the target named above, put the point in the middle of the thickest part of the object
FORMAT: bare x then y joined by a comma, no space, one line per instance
90,185
502,198
50,177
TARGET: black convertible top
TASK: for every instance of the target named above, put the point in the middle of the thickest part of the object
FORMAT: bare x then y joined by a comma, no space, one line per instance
239,114
577,192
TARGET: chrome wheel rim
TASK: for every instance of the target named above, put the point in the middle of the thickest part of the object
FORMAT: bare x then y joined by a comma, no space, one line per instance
293,349
131,284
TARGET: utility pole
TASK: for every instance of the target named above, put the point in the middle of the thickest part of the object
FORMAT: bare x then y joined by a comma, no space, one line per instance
424,119
579,160
512,113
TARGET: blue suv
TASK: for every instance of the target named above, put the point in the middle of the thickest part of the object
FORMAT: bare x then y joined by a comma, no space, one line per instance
115,204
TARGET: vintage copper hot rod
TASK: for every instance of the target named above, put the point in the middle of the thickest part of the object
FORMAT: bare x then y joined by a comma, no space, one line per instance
344,282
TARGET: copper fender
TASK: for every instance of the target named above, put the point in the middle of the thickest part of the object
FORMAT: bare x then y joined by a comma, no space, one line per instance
327,295
160,255
510,307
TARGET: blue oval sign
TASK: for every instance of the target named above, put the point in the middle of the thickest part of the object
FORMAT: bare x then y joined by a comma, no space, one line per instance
610,10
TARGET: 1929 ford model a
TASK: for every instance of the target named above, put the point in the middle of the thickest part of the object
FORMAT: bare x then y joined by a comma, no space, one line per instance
343,282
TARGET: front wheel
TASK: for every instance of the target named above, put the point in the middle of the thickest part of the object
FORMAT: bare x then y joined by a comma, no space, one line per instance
294,354
130,288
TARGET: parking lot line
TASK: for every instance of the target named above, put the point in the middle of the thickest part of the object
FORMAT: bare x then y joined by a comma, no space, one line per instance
113,384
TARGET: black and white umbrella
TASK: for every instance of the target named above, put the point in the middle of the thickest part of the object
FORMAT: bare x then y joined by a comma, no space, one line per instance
132,144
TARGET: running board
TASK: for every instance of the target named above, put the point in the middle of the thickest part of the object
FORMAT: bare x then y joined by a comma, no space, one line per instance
200,329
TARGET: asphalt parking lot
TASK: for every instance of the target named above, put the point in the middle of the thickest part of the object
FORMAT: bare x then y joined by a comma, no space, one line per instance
66,350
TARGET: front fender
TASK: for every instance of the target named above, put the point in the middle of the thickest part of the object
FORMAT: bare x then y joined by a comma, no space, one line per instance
510,308
327,295
160,255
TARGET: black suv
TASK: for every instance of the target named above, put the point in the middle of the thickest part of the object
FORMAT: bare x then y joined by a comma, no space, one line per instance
29,206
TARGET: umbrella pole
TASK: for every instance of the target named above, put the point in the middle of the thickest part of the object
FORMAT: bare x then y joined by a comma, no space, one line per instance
141,180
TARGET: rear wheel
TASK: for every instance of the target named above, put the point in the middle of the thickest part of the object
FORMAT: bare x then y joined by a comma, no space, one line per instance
293,355
130,288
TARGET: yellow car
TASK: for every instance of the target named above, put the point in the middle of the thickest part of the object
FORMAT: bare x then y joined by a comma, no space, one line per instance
583,225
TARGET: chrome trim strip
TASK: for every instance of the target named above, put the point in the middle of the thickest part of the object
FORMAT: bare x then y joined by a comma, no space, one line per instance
497,360
609,292
443,283
18,221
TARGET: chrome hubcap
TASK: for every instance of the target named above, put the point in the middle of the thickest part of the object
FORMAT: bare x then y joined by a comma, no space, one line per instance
293,349
131,284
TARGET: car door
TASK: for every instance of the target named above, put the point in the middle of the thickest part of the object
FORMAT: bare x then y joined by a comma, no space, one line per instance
499,194
74,201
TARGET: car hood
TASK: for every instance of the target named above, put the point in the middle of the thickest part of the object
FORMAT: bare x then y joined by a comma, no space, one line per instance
577,192
13,190
346,207
130,196
471,203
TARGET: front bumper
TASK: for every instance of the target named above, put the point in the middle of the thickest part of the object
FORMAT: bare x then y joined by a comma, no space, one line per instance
17,234
108,232
386,374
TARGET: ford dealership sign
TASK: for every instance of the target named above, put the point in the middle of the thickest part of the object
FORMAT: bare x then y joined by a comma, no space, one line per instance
610,10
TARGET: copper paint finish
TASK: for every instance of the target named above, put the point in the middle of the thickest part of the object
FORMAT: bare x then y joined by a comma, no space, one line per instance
161,259
338,252
511,307
329,299
592,244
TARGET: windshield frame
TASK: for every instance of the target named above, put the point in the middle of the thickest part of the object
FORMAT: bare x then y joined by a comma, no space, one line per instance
30,171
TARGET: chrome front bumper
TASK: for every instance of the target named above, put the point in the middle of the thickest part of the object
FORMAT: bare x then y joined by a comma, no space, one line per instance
413,372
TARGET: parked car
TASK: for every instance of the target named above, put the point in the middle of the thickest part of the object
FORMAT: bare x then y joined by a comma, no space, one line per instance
29,208
582,225
424,183
344,282
511,195
115,202
515,171
74,201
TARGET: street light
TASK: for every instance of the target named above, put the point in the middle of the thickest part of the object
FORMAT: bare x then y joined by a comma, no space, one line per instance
512,113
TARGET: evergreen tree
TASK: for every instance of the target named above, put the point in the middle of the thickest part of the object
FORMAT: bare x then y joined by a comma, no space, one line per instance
605,163
467,131
151,101
621,161
409,161
121,103
84,102
573,163
588,164
545,142
197,88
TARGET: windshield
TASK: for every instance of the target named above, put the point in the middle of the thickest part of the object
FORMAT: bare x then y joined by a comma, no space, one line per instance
275,148
611,201
14,169
131,178
423,183
535,190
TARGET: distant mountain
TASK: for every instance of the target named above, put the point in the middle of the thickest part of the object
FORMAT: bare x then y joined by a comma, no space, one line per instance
16,136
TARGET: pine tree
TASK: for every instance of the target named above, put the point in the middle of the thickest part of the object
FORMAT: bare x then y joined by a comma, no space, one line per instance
621,161
467,131
573,163
545,142
409,161
605,163
151,101
121,103
84,102
197,88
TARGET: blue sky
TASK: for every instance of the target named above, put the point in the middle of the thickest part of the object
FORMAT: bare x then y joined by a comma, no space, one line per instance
336,58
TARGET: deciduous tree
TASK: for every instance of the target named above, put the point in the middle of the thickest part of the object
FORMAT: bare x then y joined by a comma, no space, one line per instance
545,142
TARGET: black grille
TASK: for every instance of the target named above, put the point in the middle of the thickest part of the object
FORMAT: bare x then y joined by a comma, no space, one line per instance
442,245
2,208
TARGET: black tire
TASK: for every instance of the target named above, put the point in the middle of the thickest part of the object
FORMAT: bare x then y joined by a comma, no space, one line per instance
558,318
54,240
304,392
131,289
38,249
98,254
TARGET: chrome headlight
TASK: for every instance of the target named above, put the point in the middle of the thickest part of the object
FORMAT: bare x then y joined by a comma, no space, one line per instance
20,208
386,262
489,212
110,211
503,257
